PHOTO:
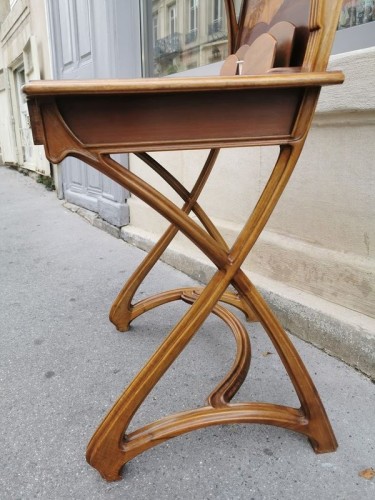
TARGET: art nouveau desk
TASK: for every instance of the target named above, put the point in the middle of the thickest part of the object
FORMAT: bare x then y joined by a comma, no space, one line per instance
262,106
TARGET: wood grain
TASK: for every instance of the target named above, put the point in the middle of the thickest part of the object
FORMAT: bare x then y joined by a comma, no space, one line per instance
93,119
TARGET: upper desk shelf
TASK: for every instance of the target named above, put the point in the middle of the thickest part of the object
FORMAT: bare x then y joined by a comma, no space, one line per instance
151,114
266,94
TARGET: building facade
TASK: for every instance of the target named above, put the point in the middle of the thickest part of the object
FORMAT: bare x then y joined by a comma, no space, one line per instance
24,56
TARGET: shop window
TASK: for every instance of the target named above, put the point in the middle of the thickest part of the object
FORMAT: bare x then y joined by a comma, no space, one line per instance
203,40
169,50
356,27
356,13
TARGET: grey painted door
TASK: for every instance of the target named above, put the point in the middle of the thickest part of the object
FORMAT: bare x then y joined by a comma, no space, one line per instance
91,39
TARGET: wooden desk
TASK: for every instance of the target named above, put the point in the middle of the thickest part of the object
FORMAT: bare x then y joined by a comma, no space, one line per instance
93,119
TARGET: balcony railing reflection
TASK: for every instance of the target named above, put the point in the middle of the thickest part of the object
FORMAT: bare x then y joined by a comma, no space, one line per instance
191,36
167,46
216,30
216,26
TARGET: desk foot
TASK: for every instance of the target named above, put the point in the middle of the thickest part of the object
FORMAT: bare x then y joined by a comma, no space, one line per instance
109,463
328,446
327,442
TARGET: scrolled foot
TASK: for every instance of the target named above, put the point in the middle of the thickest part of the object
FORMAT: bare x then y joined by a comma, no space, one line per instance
327,446
120,318
109,466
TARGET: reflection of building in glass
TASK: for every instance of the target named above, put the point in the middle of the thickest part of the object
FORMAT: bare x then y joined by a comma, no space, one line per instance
187,34
356,12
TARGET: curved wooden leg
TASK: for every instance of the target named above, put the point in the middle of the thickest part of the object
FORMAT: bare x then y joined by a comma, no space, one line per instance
318,427
228,387
106,451
320,431
110,448
123,311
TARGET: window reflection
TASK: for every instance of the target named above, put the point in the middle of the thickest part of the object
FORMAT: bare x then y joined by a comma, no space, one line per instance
187,34
356,12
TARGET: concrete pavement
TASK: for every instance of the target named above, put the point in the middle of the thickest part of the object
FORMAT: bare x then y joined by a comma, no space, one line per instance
63,364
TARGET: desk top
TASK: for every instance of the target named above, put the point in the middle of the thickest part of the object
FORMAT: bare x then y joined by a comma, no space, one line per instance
192,84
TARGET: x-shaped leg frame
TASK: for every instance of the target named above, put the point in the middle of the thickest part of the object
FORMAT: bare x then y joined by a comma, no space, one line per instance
110,447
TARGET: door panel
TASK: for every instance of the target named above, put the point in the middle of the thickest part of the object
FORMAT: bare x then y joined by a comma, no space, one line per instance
84,31
78,28
64,25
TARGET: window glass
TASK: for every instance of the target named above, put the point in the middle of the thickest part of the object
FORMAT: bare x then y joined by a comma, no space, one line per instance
186,34
172,15
193,22
181,35
356,12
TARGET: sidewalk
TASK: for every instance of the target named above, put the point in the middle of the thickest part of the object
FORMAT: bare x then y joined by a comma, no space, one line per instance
63,364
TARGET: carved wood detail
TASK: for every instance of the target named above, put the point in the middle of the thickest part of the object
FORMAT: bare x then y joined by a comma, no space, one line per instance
93,119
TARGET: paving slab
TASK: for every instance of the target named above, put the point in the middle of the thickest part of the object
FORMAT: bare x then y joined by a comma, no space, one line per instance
63,364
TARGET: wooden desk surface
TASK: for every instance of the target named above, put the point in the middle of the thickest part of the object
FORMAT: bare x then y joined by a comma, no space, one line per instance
160,85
